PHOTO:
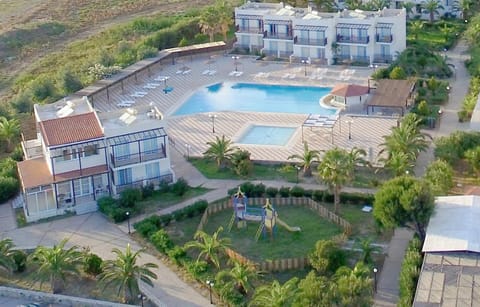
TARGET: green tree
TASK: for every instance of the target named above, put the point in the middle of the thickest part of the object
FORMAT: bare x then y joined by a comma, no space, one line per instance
327,257
275,295
354,286
408,6
9,132
464,6
70,83
353,4
315,291
56,263
398,162
307,159
367,249
423,108
325,5
377,5
210,246
404,201
124,273
224,17
440,175
416,27
241,162
432,7
7,262
241,275
209,22
398,73
221,151
473,158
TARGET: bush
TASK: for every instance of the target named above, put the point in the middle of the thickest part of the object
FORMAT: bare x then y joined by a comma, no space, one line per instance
284,191
161,241
357,198
247,188
271,192
200,206
327,257
398,73
20,259
317,195
196,268
93,264
297,191
148,190
180,187
146,228
258,190
129,197
177,254
8,188
410,272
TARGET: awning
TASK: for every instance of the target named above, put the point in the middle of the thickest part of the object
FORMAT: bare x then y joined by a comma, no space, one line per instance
249,17
137,136
277,22
384,25
352,26
310,28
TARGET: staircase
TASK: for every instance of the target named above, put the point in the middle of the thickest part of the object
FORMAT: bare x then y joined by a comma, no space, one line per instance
86,207
259,231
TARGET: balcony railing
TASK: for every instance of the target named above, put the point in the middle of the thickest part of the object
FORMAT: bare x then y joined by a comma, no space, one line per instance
384,38
252,30
360,59
282,36
353,39
382,58
310,42
118,161
167,178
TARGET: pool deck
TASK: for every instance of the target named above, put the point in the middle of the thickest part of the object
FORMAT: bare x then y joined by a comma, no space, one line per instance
190,133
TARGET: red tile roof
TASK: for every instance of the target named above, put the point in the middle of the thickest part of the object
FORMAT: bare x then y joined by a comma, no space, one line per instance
349,90
71,129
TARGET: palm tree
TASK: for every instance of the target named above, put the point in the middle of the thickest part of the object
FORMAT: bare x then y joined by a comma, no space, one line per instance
224,17
275,295
6,255
432,7
376,5
464,6
56,263
124,273
408,6
337,168
9,131
353,4
325,5
221,151
354,286
210,246
416,27
209,22
367,248
241,275
308,157
399,163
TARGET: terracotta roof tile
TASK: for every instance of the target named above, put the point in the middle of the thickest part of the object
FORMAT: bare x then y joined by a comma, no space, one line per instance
349,90
71,129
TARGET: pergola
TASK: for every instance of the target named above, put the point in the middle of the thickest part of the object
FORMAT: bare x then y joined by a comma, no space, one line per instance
391,94
320,121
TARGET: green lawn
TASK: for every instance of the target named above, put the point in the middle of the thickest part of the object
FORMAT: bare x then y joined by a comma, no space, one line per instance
285,244
432,35
165,200
183,231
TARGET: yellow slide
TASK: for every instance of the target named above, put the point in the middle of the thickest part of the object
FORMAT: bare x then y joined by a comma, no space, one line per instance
288,227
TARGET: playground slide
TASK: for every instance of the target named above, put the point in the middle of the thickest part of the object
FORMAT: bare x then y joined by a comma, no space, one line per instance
288,227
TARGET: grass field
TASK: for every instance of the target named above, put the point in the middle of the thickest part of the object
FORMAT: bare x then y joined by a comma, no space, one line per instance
285,244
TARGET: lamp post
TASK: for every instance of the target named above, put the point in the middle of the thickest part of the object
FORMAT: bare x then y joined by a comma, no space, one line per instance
210,285
213,116
142,298
305,62
297,168
235,61
349,122
375,270
187,147
445,53
128,220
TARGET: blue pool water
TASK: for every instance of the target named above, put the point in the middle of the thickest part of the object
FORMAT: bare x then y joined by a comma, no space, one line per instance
267,135
256,98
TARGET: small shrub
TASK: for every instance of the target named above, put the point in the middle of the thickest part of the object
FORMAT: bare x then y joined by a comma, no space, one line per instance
398,73
317,195
284,191
271,192
148,190
9,187
297,191
258,190
308,193
92,264
146,228
161,241
179,215
130,197
247,188
20,259
177,254
164,187
165,220
119,215
200,206
180,187
196,268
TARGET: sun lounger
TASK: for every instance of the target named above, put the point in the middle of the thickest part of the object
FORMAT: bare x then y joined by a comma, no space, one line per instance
232,73
212,72
179,72
238,73
206,72
125,104
186,72
292,76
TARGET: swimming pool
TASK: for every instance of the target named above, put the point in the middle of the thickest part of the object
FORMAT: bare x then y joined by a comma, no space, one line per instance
267,135
256,98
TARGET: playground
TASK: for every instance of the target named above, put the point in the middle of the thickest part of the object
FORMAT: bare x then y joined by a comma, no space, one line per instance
270,232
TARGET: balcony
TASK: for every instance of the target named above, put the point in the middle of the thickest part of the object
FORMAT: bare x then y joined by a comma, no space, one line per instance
353,39
167,178
137,157
384,38
382,58
250,30
360,59
310,42
280,36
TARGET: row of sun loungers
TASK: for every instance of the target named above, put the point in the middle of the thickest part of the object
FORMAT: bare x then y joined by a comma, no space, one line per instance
346,74
209,72
125,103
235,73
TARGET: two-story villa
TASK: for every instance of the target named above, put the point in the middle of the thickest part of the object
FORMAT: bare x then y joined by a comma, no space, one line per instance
80,155
300,33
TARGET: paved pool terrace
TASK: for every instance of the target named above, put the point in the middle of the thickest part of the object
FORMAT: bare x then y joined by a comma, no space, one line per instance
190,133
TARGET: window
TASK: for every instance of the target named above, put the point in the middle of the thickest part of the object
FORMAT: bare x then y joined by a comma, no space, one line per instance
66,155
362,51
124,176
82,186
90,150
152,170
150,146
122,151
385,50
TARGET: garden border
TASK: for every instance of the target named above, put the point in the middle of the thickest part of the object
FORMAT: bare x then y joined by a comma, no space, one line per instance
282,264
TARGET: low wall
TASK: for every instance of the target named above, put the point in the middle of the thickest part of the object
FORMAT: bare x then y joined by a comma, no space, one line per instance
278,265
49,298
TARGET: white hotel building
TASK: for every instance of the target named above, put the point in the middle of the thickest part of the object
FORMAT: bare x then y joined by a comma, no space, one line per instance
80,155
353,37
